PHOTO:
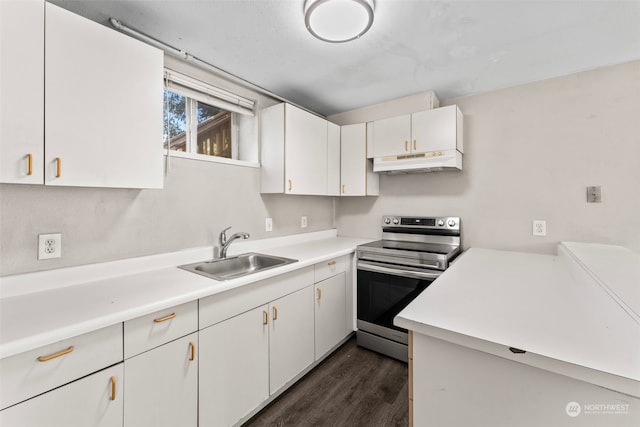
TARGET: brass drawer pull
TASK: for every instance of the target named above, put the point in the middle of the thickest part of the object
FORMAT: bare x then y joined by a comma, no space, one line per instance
415,146
343,188
29,164
165,318
55,355
113,388
406,146
290,185
265,318
331,263
319,294
192,347
58,167
275,313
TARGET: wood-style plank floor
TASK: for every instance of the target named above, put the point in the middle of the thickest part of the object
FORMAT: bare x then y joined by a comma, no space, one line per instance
352,387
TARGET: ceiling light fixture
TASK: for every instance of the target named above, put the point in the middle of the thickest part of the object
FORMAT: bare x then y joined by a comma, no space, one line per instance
338,21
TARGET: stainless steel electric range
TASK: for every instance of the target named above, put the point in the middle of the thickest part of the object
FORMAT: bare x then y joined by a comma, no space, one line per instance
413,252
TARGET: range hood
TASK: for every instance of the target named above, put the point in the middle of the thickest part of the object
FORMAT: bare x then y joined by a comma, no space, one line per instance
419,162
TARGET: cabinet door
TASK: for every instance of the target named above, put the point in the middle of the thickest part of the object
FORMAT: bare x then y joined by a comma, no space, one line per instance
234,368
305,152
391,136
103,106
330,313
353,150
291,337
333,159
434,130
95,400
162,385
22,91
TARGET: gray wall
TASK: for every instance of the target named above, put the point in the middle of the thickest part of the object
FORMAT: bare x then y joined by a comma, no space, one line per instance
199,199
530,152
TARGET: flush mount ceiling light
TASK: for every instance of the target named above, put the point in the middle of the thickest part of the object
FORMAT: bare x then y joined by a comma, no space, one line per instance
338,21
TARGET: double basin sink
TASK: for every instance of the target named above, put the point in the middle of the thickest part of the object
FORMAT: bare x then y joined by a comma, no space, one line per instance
236,266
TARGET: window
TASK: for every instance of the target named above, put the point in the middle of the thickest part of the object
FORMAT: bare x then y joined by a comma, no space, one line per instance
202,120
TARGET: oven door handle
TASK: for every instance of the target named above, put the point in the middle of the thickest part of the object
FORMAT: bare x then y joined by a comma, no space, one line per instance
376,268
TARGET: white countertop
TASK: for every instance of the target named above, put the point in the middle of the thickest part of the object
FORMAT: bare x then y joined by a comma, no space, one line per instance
491,300
41,308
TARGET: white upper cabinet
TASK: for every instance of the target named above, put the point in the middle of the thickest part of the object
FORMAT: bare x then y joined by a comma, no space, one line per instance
392,136
103,106
437,129
294,151
333,159
22,91
427,131
356,172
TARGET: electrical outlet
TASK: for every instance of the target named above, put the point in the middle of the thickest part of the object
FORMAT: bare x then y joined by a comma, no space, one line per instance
268,224
303,222
539,227
49,246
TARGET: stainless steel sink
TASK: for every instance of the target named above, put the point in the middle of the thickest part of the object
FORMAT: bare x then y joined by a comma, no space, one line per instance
236,266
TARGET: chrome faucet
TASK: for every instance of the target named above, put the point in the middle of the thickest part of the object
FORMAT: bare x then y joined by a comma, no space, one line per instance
223,242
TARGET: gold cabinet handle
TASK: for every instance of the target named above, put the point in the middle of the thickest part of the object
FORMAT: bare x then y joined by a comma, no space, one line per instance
406,146
58,167
192,348
29,164
265,318
330,263
165,318
343,188
415,145
290,184
113,388
275,313
319,294
55,355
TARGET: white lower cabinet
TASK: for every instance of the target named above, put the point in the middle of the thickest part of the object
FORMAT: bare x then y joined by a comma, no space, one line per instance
96,400
245,359
234,367
330,313
291,343
161,387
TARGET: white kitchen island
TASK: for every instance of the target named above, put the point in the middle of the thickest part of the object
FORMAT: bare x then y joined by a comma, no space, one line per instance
517,339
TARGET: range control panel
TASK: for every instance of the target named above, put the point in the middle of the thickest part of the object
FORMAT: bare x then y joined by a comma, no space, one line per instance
448,223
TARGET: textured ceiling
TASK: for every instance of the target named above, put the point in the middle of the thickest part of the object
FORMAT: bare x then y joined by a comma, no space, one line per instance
456,48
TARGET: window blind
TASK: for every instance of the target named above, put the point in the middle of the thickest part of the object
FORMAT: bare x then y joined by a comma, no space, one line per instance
207,93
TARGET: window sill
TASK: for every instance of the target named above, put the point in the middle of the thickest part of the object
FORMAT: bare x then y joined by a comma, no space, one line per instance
211,159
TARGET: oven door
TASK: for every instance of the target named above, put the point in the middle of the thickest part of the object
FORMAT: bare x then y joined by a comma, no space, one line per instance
383,290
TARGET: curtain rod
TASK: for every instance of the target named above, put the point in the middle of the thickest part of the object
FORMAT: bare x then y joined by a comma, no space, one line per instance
187,57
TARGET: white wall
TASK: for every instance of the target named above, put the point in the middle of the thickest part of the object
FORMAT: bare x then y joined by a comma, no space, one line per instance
530,153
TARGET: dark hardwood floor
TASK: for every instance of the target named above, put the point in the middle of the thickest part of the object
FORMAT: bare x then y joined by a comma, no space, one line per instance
352,387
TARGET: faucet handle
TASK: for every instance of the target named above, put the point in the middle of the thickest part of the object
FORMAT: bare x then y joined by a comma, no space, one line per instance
223,235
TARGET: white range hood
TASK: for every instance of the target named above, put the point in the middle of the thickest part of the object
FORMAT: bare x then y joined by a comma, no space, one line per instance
419,162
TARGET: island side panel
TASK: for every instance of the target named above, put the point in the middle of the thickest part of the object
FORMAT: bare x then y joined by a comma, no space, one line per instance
458,386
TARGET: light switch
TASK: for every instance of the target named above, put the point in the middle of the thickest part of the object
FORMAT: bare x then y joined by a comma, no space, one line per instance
594,194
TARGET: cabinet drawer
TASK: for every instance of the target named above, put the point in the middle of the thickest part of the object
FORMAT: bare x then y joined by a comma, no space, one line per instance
33,372
331,267
146,332
96,401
